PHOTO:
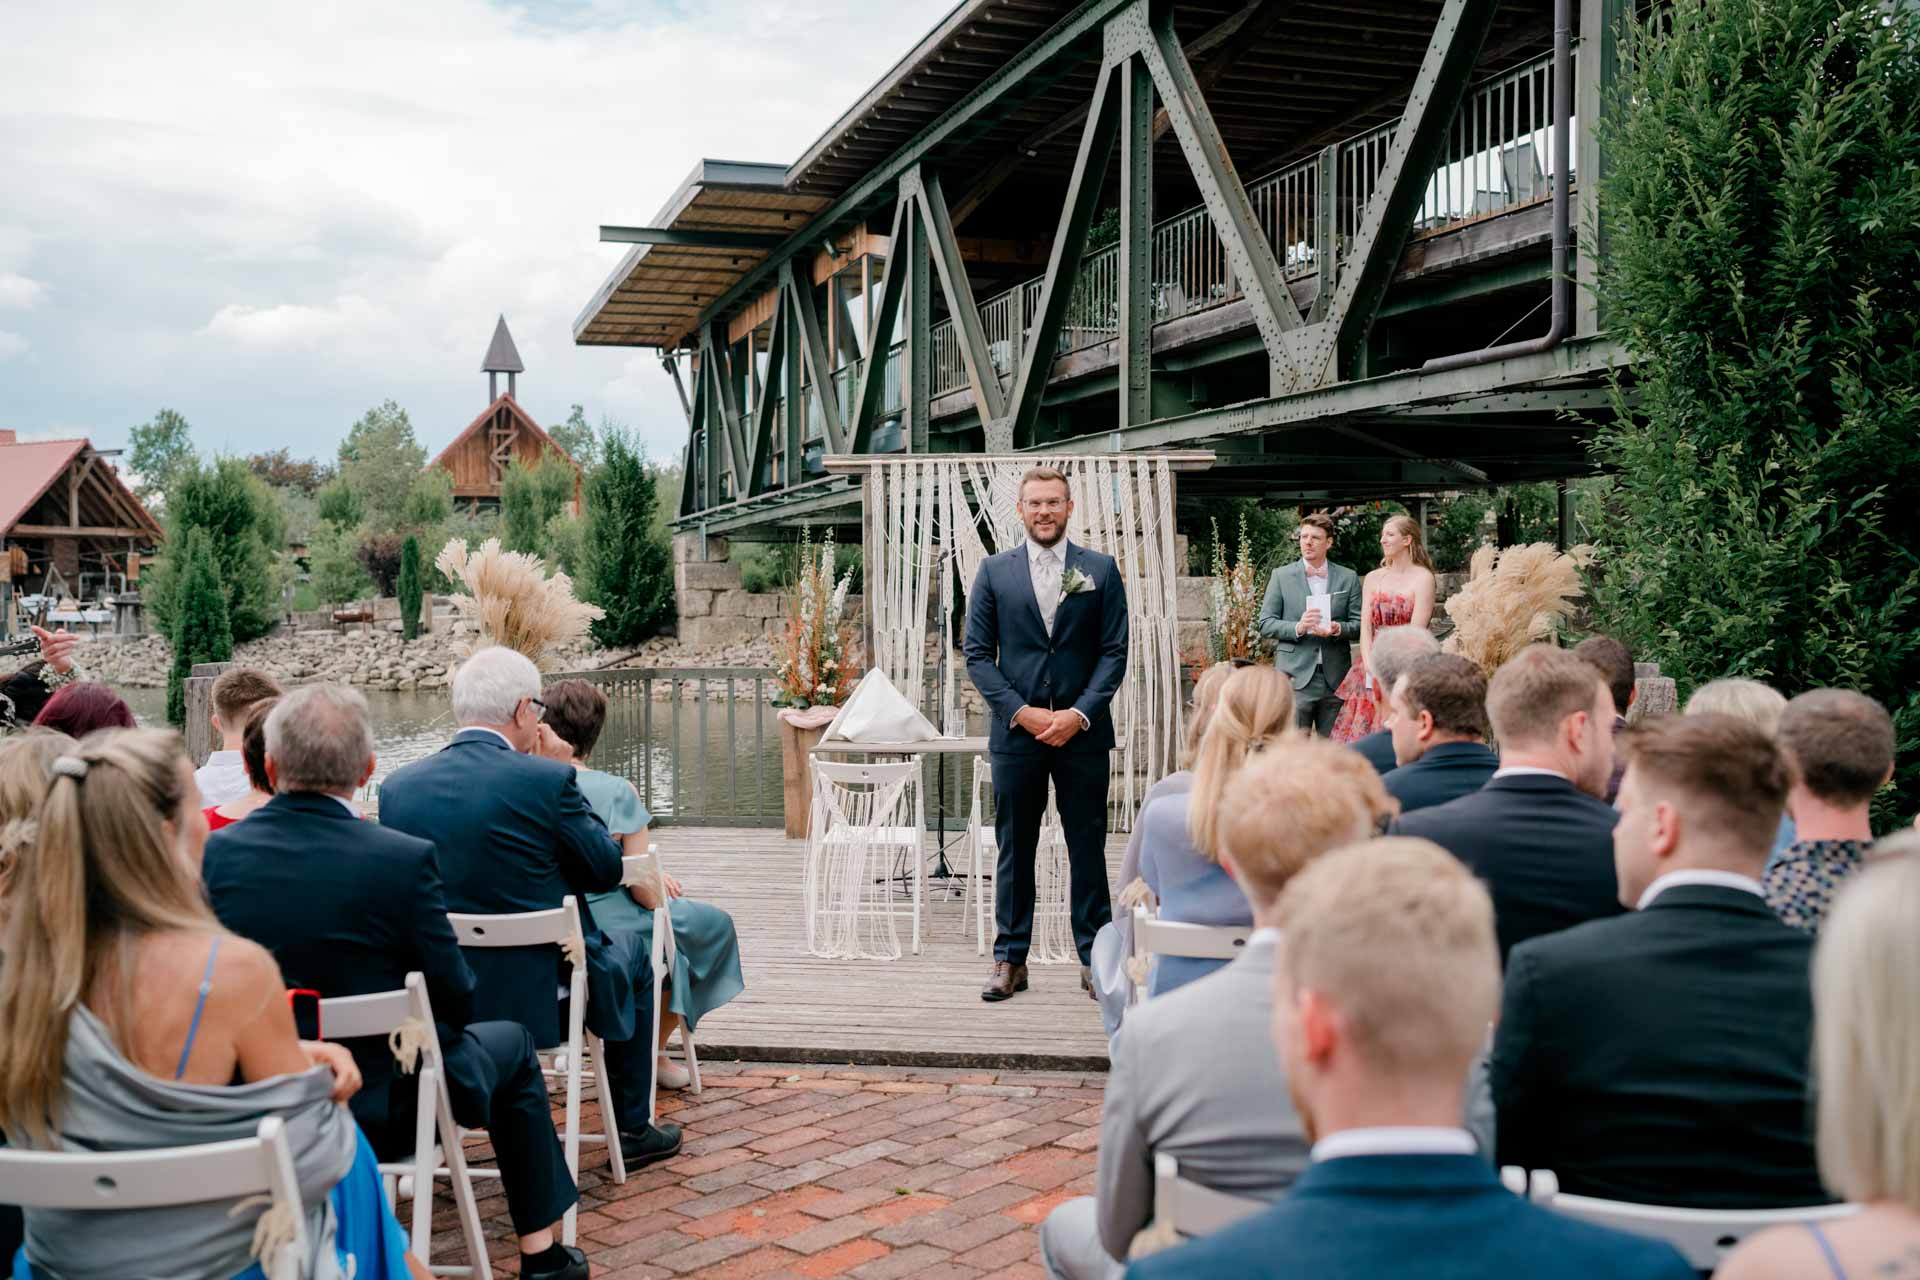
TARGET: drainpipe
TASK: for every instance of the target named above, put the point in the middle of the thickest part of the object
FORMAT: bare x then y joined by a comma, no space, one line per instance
1562,211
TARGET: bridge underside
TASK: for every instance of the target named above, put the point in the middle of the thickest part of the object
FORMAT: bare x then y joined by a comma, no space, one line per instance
1403,214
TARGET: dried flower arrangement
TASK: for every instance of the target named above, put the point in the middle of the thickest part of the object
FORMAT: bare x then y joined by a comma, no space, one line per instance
819,667
515,602
1233,604
1513,598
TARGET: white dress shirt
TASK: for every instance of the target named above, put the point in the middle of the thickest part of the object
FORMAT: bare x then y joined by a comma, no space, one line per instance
222,779
1702,875
1317,585
1528,771
1396,1140
1046,566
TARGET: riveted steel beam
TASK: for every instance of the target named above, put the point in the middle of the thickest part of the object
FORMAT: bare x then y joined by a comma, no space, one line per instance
813,349
1063,261
919,319
873,375
945,251
726,403
671,364
1136,243
763,417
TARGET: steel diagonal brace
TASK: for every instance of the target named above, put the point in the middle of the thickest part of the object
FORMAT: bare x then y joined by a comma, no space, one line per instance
945,250
814,350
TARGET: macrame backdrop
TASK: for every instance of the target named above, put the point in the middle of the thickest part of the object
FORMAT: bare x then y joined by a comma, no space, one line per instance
932,519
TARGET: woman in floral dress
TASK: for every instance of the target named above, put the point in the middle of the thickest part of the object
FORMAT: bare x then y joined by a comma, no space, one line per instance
1397,594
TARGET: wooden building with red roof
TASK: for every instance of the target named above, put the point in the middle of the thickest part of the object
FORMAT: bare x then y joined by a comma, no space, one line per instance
67,518
503,432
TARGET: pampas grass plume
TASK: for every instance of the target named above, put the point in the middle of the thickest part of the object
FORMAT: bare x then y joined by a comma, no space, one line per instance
1514,598
514,601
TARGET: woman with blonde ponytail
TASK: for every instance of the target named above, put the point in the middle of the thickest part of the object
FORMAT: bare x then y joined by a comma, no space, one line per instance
126,1012
1179,846
25,762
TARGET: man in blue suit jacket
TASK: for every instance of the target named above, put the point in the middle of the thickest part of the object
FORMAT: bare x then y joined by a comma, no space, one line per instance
349,908
1046,645
515,834
1439,732
1388,976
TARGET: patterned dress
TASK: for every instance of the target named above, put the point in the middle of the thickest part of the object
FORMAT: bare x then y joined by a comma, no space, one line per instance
1802,880
1361,714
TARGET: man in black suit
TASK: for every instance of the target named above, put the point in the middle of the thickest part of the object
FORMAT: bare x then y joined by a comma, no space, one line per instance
1394,650
1537,832
515,834
1439,732
350,908
1661,1056
1046,646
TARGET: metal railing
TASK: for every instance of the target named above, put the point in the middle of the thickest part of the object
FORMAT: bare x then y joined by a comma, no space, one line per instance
700,744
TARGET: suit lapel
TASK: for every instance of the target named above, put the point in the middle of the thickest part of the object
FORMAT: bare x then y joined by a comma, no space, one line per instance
1024,588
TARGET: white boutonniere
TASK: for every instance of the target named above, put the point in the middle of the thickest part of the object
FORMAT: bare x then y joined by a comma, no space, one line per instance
1073,583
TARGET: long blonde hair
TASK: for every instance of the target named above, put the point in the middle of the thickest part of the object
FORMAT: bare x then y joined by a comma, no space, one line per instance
102,870
1255,708
23,783
1866,1042
1408,525
1206,696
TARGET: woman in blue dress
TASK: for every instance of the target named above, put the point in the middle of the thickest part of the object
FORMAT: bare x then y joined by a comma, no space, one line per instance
134,1022
706,971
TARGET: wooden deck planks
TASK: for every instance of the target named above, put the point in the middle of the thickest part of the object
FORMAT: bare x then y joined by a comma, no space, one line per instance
922,1010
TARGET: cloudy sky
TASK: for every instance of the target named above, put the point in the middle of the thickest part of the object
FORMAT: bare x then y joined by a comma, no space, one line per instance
270,216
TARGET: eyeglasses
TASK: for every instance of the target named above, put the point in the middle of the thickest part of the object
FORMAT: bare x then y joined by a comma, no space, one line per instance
539,709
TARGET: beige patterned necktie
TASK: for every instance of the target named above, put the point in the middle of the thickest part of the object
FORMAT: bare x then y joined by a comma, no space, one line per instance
1046,585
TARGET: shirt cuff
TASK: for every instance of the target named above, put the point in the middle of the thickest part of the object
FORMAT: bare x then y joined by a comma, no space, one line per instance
1084,722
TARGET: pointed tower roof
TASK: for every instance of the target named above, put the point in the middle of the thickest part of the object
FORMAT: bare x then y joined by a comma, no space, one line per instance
502,355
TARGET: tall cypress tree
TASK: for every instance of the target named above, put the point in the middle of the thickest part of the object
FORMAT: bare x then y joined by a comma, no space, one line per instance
626,567
201,632
408,588
1763,213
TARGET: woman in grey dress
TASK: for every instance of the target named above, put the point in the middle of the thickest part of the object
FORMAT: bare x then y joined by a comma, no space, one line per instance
706,971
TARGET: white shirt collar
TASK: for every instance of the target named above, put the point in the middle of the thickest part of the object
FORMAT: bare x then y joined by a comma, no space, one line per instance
345,802
474,728
1703,875
223,760
1268,937
1312,572
1396,1140
1528,771
1058,550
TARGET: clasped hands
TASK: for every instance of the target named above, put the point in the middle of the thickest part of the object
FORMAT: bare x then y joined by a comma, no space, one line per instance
1049,728
1310,624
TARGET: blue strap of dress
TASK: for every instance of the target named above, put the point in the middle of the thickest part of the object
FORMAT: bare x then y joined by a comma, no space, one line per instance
199,1007
1826,1249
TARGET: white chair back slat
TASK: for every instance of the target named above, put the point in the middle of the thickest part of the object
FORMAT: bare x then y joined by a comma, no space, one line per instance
515,929
1196,941
144,1179
351,1017
1191,1209
869,775
1704,1237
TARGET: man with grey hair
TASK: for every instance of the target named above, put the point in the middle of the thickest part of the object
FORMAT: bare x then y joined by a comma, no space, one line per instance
1394,650
350,908
516,834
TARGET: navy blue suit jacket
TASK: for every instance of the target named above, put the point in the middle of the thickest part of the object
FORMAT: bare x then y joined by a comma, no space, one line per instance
1014,663
515,834
348,908
1377,747
1544,847
1446,772
1435,1217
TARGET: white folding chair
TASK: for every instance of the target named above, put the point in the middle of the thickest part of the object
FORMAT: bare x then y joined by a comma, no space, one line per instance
1153,936
1188,1209
1703,1236
1051,940
638,869
863,822
436,1138
554,928
164,1176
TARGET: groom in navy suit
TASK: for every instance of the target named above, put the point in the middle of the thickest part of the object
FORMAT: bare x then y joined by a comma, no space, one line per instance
1046,645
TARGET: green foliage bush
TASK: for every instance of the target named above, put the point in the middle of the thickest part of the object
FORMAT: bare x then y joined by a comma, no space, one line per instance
530,497
626,564
201,632
337,575
408,588
379,462
245,531
1764,225
338,505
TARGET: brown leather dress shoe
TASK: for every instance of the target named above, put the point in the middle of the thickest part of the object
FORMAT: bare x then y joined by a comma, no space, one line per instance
1007,978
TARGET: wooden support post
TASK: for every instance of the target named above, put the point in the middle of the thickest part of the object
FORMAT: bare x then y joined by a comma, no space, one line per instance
1136,243
199,712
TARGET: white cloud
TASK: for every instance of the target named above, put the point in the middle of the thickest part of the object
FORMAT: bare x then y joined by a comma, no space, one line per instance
18,292
11,344
308,211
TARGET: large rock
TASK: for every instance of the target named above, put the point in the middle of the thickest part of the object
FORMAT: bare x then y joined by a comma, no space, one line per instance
748,604
720,631
696,604
708,576
1190,598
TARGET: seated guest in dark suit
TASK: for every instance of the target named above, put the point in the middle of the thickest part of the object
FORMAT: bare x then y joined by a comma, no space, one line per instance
1439,733
1538,832
1839,747
350,908
1387,976
1615,664
1393,650
1660,1057
514,833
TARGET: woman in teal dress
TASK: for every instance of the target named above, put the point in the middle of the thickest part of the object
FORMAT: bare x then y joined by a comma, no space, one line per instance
706,970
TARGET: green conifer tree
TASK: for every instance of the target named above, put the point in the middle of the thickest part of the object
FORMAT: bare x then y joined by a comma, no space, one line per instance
408,588
201,632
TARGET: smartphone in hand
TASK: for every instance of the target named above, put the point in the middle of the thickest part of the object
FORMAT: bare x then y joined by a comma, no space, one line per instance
306,1013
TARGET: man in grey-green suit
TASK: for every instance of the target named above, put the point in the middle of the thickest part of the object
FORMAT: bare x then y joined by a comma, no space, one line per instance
1315,650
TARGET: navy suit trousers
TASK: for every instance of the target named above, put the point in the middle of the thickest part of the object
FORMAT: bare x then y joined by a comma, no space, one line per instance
1020,803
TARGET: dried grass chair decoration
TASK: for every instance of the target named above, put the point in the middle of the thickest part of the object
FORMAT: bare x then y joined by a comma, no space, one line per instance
514,601
1512,599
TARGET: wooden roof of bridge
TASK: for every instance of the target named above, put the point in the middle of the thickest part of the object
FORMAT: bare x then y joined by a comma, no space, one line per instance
1298,75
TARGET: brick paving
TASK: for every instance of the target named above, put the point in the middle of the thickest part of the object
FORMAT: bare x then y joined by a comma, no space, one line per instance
871,1172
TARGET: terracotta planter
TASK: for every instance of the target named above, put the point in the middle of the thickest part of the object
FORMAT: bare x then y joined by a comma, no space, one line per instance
796,778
